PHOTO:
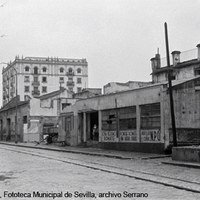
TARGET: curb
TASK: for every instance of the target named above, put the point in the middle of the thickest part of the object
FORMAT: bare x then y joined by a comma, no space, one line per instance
182,164
69,151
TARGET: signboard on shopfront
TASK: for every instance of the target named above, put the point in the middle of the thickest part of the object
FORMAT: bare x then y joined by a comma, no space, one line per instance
124,136
109,136
152,135
128,136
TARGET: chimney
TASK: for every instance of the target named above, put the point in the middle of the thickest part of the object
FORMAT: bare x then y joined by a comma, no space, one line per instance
198,51
155,62
176,57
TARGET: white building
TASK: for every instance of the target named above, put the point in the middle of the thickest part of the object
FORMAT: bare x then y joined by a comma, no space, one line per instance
37,76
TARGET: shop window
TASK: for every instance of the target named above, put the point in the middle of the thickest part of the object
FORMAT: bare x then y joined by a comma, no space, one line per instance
127,118
109,120
150,116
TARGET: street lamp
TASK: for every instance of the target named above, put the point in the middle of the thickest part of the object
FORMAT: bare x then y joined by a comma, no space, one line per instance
16,103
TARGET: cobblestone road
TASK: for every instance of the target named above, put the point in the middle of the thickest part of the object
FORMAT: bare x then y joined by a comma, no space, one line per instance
26,173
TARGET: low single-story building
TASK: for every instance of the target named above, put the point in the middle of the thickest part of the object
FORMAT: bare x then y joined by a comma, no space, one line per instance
135,120
34,117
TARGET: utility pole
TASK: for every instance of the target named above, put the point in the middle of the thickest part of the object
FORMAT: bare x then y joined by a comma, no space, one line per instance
16,105
170,89
117,119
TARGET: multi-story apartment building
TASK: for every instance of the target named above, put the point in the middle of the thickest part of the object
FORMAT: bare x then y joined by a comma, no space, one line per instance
35,76
184,65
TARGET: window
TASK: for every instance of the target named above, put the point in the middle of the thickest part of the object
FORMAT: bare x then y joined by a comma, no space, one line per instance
25,121
126,118
61,79
70,78
35,88
35,70
27,69
35,78
109,120
44,89
26,89
79,70
26,79
150,116
79,80
44,69
61,70
79,89
197,71
70,70
44,79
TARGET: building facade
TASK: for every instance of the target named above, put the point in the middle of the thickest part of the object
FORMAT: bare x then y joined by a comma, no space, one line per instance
35,76
117,87
136,120
33,116
184,65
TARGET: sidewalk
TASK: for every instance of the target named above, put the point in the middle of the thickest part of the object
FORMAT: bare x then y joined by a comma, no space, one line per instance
104,152
90,151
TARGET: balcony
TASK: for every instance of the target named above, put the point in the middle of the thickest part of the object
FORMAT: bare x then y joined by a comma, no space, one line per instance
36,83
36,93
12,94
70,83
12,90
70,73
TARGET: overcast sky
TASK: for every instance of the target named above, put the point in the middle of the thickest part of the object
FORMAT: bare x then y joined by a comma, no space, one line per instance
117,37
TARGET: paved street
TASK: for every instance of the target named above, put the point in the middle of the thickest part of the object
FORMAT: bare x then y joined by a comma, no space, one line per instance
27,170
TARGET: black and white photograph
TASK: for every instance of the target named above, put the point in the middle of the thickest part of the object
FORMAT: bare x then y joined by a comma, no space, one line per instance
99,99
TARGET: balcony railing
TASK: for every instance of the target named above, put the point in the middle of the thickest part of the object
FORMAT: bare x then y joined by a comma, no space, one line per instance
70,83
70,73
35,83
36,93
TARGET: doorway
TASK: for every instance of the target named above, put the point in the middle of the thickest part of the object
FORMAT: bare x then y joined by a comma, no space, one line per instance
8,138
94,126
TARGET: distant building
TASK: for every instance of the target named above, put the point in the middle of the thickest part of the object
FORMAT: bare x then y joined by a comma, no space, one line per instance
33,116
184,65
137,119
136,115
87,92
117,87
37,76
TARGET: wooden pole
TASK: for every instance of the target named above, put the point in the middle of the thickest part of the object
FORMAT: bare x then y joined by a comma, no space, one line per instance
170,89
